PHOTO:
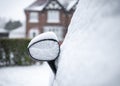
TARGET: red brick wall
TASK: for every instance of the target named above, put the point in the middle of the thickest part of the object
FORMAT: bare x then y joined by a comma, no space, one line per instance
64,21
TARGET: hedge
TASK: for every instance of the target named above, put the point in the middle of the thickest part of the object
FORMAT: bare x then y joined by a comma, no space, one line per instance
14,52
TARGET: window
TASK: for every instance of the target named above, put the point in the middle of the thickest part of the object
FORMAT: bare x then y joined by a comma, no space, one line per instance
33,32
56,29
53,16
34,17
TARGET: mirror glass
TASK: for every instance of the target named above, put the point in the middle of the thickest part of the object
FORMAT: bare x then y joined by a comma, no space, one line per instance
47,50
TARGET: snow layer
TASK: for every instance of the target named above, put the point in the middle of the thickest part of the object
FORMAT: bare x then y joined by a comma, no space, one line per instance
71,4
26,76
90,52
44,50
37,8
46,35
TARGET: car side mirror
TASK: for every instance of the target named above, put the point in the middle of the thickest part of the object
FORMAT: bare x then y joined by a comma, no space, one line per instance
44,47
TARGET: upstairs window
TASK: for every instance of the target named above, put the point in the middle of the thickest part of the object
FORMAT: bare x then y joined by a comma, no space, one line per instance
53,16
34,17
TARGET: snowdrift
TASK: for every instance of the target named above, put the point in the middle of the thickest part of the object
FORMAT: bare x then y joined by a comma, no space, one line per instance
90,52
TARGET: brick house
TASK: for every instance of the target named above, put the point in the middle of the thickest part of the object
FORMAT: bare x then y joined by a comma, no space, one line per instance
48,15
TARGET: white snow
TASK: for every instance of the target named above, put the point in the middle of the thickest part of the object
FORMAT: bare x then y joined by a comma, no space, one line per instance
66,1
18,32
37,75
71,4
37,8
46,35
90,53
44,50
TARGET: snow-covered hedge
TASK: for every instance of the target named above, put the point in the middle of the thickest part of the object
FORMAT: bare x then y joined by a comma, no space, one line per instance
14,52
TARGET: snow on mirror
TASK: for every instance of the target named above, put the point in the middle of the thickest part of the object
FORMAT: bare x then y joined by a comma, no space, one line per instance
44,47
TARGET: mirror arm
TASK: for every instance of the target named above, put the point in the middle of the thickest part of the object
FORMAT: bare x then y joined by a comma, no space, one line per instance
52,66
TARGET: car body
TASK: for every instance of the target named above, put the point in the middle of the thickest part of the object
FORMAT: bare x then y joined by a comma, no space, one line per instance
90,52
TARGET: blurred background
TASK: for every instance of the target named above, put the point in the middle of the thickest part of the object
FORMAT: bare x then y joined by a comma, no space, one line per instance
20,21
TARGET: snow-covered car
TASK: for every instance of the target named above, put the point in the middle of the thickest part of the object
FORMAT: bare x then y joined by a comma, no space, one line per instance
90,53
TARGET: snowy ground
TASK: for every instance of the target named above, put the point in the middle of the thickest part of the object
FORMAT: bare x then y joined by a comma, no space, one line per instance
25,76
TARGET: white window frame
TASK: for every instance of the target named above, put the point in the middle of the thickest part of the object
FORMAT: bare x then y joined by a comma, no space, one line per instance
53,16
34,17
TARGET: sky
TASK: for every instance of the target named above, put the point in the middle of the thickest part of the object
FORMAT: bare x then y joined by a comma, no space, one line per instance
14,9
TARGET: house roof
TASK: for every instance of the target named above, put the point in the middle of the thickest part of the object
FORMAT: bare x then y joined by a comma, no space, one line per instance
54,4
71,5
18,32
39,5
2,30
